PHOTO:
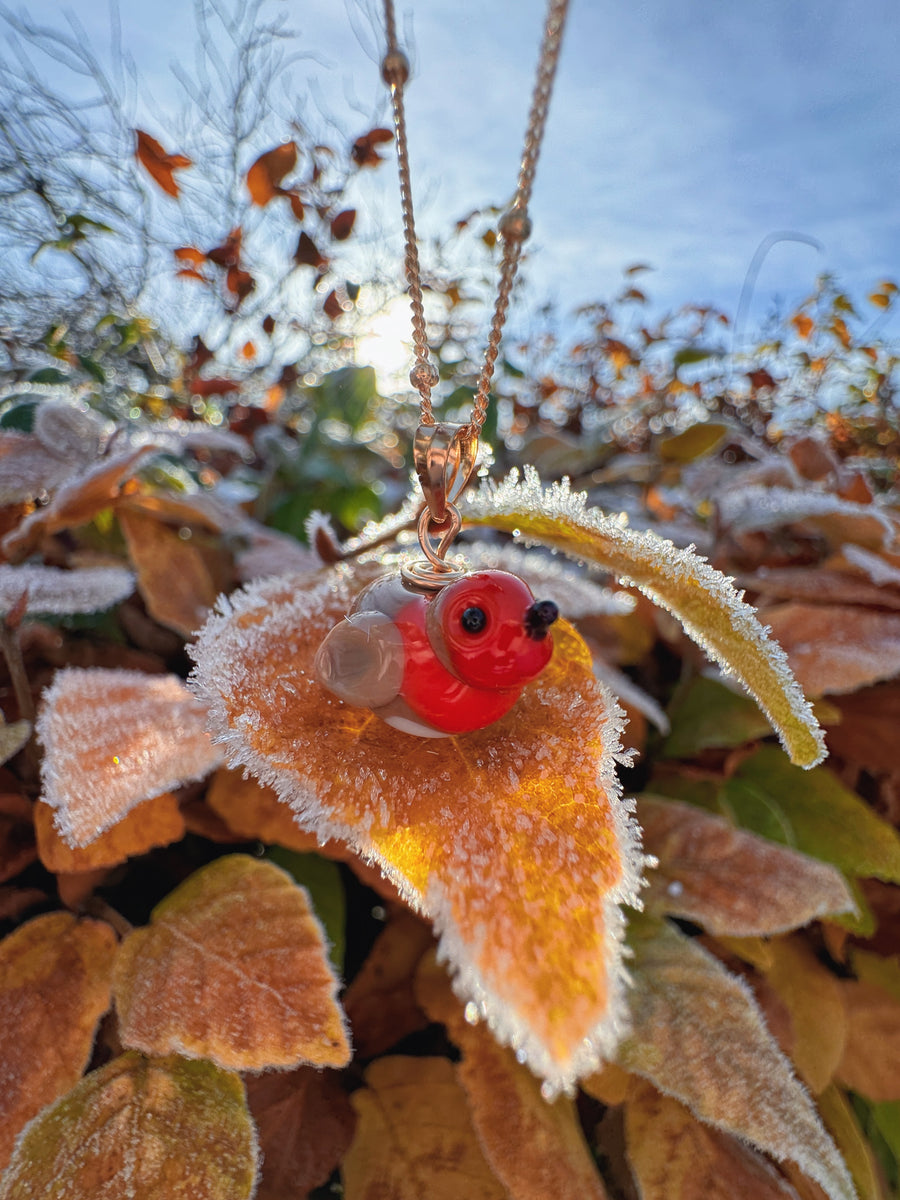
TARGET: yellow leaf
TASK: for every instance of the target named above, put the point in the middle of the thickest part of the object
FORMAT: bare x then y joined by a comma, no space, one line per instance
155,822
232,968
414,1138
880,299
674,1157
113,739
150,1128
54,987
536,1148
852,1143
703,600
521,879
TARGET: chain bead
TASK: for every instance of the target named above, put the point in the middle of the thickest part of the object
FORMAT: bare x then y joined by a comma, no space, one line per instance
515,225
424,374
395,68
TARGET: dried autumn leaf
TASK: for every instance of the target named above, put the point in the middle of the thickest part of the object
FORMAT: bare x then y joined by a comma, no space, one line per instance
153,1128
866,732
535,1148
761,506
332,306
307,254
363,150
702,599
729,881
156,822
254,811
55,976
699,1037
177,576
821,586
114,738
28,468
852,1143
232,967
304,1124
523,890
834,649
157,163
803,324
872,1049
813,998
265,176
674,1157
380,1004
414,1137
190,254
342,224
51,590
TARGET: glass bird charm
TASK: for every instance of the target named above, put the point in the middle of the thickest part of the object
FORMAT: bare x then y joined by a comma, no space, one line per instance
441,664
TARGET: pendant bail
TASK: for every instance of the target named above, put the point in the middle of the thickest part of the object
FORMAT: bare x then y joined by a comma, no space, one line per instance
444,456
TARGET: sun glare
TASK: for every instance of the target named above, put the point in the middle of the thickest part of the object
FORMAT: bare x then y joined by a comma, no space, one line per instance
386,346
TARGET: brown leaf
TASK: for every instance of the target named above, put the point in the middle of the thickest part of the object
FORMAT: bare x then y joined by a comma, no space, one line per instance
698,1036
304,1123
54,987
814,1001
241,283
872,1049
156,1129
159,165
674,1157
156,822
729,881
265,176
253,810
414,1137
342,224
114,738
177,576
536,1148
233,968
812,458
834,649
332,306
867,730
228,252
17,848
820,585
363,151
308,254
380,1004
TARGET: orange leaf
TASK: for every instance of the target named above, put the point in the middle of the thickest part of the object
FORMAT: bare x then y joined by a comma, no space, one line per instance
228,253
537,1149
673,1155
191,273
248,350
54,987
232,967
332,306
159,165
841,332
342,224
254,811
304,1123
190,254
177,576
729,881
114,738
872,1049
522,888
154,1129
363,151
812,995
156,822
833,649
803,324
240,282
265,176
414,1137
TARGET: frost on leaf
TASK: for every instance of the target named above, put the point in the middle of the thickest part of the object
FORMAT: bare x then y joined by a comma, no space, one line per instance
139,1127
51,590
155,822
512,839
536,1148
840,521
28,469
54,987
834,648
703,599
232,967
114,738
672,1154
699,1037
414,1137
729,881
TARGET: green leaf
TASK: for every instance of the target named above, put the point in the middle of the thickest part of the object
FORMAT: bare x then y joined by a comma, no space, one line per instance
48,375
692,354
93,368
881,1125
20,416
812,812
322,879
705,714
693,443
346,394
698,1036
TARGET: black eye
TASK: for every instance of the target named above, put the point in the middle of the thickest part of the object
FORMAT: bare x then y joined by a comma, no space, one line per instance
473,620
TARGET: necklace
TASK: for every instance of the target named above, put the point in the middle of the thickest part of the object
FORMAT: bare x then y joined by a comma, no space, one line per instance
438,650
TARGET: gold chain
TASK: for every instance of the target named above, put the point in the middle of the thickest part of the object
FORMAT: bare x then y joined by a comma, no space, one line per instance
514,226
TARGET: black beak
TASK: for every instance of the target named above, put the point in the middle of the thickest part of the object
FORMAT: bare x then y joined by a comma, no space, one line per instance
539,617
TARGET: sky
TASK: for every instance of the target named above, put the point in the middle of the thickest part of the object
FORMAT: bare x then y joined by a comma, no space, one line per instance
679,136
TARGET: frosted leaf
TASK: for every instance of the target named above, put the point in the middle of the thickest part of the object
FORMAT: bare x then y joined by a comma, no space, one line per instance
627,691
699,1036
702,598
878,569
272,553
52,590
821,585
177,436
28,469
750,508
76,435
114,738
575,595
833,648
513,839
